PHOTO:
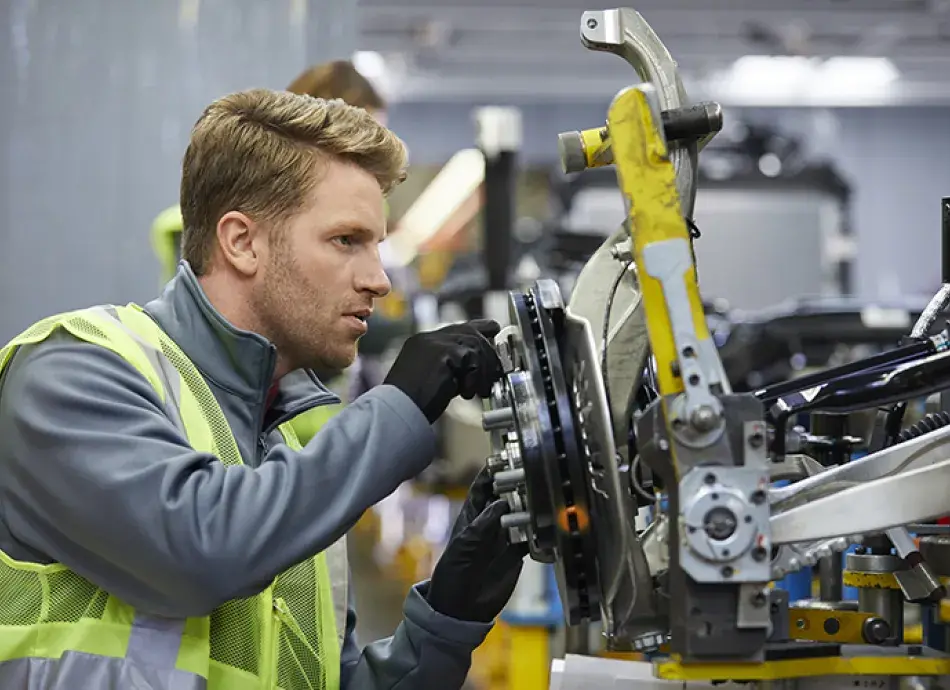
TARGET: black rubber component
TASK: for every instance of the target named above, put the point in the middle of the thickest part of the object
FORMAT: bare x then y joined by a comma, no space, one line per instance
931,422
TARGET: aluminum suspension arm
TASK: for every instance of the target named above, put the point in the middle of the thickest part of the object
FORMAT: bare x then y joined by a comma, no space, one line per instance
902,484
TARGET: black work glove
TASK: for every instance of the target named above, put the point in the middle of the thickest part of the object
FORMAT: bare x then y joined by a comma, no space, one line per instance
479,568
434,367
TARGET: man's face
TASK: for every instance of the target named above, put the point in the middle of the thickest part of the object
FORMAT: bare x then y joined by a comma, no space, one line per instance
323,270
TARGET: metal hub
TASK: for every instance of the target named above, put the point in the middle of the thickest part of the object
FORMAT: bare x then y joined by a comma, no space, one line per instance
540,456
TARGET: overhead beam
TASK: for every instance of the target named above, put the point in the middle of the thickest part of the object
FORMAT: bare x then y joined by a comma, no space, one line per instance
665,21
497,51
551,88
579,6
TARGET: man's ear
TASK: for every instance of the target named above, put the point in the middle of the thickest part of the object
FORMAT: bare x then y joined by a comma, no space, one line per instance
236,235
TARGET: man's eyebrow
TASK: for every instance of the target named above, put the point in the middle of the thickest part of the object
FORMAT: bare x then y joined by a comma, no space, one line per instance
354,228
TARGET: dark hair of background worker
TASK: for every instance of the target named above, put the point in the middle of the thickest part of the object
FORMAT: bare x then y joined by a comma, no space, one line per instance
339,79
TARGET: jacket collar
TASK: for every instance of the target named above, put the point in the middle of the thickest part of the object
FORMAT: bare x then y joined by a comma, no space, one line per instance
240,362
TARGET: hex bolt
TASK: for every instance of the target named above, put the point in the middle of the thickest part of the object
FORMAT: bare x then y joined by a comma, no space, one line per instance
515,520
496,463
704,418
508,480
876,631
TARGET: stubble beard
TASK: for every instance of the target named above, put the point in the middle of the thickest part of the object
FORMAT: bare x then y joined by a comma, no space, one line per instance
296,322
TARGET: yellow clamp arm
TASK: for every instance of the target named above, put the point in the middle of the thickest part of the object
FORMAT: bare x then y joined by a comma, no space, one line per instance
658,230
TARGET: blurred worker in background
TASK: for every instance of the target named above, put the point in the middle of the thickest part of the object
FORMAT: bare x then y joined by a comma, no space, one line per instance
163,526
392,320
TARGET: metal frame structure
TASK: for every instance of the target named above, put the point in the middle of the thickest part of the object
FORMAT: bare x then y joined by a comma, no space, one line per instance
466,50
618,399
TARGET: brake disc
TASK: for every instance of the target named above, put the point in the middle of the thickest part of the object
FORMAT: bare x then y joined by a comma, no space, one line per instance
540,454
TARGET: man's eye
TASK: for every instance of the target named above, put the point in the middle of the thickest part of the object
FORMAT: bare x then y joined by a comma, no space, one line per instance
346,241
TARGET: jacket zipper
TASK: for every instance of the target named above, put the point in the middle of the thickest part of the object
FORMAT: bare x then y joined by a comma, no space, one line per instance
316,401
259,422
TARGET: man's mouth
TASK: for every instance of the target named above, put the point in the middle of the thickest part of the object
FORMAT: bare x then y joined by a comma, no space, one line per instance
358,320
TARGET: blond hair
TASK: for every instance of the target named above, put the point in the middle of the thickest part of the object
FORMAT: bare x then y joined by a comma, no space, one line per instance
256,152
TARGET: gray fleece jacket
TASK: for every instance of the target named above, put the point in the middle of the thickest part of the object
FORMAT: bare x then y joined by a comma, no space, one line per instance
94,475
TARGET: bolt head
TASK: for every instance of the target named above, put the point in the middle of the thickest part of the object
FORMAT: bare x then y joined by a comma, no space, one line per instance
704,418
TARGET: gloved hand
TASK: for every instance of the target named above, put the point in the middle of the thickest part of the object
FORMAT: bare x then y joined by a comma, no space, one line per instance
435,366
479,568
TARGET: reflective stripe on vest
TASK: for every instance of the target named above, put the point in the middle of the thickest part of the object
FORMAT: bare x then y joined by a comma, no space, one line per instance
59,631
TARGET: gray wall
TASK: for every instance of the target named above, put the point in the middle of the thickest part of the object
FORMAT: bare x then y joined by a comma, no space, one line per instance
96,101
98,97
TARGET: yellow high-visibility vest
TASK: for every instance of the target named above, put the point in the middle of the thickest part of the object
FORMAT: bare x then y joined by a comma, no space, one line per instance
56,624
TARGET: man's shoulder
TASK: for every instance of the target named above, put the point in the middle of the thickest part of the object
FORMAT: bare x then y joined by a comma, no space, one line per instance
61,357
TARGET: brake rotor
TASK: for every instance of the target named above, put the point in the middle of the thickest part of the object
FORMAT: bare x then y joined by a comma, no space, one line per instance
540,456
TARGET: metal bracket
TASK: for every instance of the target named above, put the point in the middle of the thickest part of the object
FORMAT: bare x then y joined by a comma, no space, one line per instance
626,34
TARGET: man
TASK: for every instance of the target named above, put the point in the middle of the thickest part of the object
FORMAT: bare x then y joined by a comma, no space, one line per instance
392,321
327,80
161,524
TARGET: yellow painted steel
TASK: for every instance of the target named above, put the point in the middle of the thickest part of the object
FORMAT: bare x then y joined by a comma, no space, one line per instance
857,578
490,660
806,668
648,183
809,624
914,634
597,149
513,657
853,578
944,611
529,657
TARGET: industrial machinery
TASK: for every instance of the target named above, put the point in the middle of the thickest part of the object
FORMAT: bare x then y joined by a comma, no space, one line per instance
618,401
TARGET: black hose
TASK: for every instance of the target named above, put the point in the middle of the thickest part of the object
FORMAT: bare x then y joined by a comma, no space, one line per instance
931,422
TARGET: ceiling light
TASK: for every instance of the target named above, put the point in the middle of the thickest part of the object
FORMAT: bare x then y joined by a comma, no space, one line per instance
370,64
797,80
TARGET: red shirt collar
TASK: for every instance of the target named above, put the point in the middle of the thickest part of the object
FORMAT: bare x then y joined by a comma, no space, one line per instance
271,395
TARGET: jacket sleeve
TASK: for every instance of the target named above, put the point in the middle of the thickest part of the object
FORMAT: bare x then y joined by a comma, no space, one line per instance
94,475
427,650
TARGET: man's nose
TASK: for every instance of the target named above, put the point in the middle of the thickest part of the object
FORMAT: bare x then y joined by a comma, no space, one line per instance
375,280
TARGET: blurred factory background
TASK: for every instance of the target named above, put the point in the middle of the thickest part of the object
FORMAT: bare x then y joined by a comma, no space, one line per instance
99,97
826,180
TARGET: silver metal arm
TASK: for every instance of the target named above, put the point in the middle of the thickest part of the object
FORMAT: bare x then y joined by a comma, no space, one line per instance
627,342
625,33
905,483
